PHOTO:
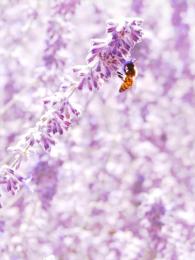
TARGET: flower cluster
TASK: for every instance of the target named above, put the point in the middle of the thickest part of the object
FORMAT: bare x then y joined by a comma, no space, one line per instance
106,56
12,182
58,118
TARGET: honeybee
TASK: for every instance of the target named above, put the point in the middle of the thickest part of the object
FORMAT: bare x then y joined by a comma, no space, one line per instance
130,75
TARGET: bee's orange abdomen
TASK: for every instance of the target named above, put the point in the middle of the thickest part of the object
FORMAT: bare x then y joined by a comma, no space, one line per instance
128,82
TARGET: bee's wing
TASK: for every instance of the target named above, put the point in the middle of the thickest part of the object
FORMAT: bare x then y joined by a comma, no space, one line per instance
134,88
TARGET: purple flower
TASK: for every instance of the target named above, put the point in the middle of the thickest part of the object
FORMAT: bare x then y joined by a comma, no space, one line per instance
60,116
106,56
64,7
10,180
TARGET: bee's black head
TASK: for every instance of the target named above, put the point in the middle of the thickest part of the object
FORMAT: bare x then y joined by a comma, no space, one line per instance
129,66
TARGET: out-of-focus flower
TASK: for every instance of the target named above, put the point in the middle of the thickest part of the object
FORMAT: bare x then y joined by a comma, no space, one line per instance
45,176
64,7
57,40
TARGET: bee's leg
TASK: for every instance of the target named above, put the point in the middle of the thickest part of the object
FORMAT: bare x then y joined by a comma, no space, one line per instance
120,75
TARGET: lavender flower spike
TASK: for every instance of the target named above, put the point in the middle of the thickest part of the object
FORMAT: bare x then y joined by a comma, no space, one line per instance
107,55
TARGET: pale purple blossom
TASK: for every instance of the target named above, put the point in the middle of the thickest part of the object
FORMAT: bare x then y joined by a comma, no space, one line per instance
107,55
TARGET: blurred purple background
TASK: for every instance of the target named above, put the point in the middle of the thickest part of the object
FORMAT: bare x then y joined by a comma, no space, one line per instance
119,184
